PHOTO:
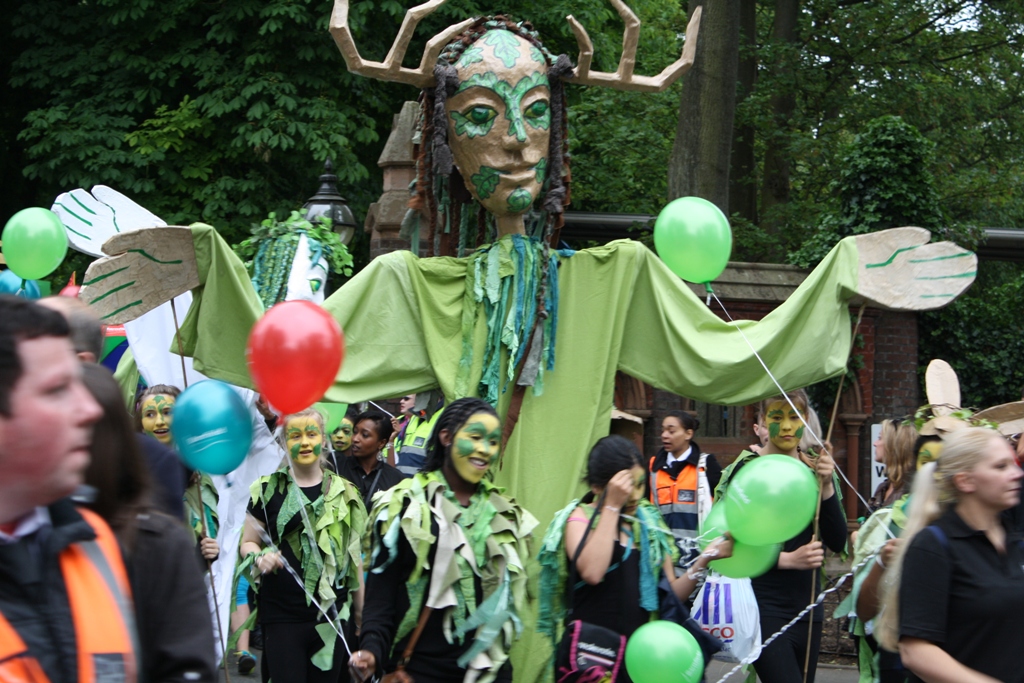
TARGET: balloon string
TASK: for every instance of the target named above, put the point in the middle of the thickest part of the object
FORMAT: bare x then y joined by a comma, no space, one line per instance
213,584
269,543
783,393
380,408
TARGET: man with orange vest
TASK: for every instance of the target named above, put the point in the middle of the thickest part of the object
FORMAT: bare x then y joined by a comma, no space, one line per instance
65,605
681,481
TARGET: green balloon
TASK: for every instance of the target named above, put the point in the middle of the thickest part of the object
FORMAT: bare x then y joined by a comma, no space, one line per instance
34,243
333,414
663,652
747,561
770,500
693,238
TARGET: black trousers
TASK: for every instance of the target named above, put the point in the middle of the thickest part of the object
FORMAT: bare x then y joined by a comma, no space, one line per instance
288,649
783,660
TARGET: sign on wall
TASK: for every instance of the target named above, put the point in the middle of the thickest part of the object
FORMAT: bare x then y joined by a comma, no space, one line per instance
877,468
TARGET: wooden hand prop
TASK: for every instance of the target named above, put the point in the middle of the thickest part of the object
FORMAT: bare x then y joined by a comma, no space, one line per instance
143,269
899,269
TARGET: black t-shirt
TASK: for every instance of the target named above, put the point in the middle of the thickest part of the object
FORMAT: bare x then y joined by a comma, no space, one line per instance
960,593
615,602
382,477
281,598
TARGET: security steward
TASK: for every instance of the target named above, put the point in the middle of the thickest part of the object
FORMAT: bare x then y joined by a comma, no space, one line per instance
411,444
681,480
65,605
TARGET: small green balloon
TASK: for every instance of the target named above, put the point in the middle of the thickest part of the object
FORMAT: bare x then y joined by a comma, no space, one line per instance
34,243
663,652
770,500
747,561
693,238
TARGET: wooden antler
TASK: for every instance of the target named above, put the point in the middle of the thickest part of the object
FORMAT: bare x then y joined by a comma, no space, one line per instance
623,79
391,68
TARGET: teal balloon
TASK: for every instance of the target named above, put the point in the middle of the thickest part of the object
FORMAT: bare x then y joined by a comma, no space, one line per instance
693,238
747,561
663,652
211,427
770,500
34,243
11,283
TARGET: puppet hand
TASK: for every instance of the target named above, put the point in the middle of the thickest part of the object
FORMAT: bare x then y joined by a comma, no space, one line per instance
899,269
91,219
144,269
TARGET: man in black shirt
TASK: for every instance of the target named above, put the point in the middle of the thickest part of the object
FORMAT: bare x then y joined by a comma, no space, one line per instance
363,467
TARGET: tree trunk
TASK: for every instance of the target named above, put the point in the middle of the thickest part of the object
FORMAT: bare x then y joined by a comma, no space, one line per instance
775,187
699,165
743,176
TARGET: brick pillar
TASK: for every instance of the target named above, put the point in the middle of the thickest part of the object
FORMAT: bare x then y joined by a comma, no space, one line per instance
384,217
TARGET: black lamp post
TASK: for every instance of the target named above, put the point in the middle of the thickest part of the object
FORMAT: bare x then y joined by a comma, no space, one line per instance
328,202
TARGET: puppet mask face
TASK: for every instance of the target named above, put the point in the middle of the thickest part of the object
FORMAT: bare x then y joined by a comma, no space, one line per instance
341,438
784,426
499,121
475,446
304,440
156,417
308,277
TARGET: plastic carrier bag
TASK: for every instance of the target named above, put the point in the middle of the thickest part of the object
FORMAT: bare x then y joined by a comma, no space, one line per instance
727,609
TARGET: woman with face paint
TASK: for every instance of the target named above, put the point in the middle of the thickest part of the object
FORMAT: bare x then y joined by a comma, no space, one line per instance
448,577
622,560
784,590
294,514
154,416
341,438
954,592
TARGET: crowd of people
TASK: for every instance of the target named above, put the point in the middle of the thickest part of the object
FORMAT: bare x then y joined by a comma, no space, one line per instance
420,568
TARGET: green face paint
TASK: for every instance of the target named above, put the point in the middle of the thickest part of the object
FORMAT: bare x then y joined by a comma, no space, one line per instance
486,181
784,427
537,115
773,430
542,171
519,200
341,438
475,447
506,47
304,440
156,413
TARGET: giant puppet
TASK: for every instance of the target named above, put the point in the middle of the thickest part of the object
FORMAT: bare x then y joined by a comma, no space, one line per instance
538,332
287,265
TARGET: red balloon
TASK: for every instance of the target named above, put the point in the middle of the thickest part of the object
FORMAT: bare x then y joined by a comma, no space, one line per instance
294,353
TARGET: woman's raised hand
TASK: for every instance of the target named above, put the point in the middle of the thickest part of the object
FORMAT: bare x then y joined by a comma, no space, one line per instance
619,490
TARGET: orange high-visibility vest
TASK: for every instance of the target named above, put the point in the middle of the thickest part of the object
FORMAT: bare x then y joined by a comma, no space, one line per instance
100,599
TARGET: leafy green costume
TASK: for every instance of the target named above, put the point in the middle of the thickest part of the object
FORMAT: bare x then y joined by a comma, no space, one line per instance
328,548
487,539
654,542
